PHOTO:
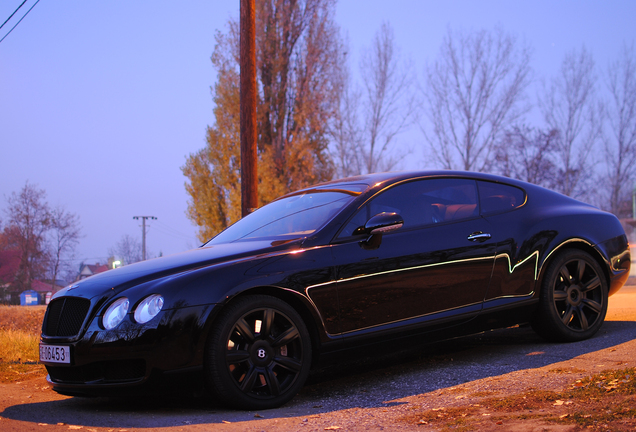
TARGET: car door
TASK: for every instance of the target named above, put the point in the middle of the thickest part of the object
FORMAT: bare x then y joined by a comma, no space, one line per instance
434,269
516,262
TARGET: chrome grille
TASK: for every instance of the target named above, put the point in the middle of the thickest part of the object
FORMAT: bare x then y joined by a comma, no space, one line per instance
65,316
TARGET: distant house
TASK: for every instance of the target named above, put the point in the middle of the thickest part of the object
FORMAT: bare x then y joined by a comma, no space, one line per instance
45,290
9,266
91,269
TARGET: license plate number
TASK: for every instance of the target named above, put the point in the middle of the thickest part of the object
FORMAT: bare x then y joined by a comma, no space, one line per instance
55,353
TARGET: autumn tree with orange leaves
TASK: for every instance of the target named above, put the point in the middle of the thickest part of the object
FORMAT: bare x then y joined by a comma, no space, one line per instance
299,63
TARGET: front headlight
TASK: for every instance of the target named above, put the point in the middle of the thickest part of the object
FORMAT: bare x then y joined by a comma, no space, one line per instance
115,313
148,308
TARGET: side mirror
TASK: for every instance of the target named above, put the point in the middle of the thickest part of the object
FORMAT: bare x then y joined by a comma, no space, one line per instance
378,225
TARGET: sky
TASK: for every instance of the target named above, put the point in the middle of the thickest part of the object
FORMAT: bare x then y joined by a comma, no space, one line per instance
102,101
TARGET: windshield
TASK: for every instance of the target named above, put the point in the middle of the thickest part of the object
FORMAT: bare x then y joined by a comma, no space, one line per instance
289,217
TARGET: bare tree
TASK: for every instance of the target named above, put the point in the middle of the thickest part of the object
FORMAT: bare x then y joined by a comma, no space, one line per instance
473,93
620,141
527,154
568,104
65,233
29,220
370,118
387,102
344,129
128,249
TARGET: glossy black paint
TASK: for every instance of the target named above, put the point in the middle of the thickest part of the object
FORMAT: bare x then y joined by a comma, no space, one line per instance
479,268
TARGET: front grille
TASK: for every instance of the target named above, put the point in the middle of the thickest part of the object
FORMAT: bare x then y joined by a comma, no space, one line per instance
106,372
65,316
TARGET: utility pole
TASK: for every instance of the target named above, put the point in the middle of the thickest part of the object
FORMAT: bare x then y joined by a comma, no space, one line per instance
143,234
249,176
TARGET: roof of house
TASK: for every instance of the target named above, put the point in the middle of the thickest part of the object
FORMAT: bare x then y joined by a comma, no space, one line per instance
91,269
40,286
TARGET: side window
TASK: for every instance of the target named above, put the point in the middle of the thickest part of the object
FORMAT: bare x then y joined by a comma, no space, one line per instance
421,203
498,198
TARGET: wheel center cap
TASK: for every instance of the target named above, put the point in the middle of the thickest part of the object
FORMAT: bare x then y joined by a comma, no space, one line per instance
574,295
261,353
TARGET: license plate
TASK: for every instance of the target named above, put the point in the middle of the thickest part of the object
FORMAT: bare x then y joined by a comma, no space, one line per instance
55,353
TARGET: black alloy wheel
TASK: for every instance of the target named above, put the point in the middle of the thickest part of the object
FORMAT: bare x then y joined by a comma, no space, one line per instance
258,355
573,299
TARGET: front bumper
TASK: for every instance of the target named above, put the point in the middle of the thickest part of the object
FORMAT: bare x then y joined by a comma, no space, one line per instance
132,355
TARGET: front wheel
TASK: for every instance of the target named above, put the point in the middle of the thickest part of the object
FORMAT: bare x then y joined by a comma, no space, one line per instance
258,354
573,300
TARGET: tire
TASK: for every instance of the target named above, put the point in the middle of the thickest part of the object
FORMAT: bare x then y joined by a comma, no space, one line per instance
258,354
573,300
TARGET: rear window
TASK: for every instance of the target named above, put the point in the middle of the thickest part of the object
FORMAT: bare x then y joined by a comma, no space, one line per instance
498,198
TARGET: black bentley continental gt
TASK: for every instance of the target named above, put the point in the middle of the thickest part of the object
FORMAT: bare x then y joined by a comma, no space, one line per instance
333,268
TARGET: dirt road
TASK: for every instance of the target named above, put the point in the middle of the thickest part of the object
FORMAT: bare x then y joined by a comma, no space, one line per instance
374,394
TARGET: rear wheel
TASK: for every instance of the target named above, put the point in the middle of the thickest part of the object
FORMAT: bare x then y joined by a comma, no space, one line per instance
573,300
258,354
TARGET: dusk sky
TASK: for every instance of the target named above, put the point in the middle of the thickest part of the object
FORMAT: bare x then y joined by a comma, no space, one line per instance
102,101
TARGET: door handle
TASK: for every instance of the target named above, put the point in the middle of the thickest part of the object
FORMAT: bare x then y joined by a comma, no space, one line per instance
479,236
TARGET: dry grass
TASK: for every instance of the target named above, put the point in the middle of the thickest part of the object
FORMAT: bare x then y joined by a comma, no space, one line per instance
23,318
19,336
606,401
18,347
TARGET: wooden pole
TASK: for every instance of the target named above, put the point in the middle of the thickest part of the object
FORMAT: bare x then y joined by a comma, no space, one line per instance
249,197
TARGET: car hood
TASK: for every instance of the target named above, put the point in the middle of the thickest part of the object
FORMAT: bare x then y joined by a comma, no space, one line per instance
145,271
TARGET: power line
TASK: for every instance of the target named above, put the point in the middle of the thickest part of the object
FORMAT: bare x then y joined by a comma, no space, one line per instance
173,232
11,16
16,24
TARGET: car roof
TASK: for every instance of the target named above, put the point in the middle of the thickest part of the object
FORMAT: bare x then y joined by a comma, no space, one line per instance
381,179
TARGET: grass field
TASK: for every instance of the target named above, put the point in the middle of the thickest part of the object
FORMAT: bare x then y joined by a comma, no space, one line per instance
19,336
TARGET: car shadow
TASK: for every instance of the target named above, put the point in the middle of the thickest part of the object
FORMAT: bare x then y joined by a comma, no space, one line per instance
375,380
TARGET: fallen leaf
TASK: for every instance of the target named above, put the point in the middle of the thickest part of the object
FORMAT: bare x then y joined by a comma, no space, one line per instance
332,428
564,416
257,415
226,422
558,403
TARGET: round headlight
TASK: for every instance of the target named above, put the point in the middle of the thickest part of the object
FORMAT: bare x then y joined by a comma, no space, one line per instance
148,308
115,313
